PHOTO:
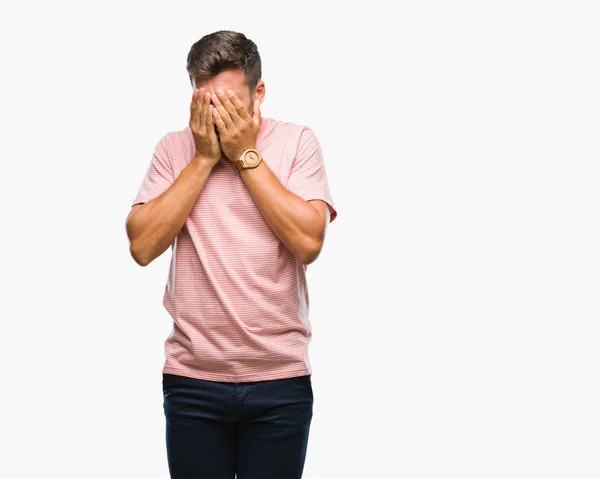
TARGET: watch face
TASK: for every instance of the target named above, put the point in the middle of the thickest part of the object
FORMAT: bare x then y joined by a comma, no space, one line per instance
251,158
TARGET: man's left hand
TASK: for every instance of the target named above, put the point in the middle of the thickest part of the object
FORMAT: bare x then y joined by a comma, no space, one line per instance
237,128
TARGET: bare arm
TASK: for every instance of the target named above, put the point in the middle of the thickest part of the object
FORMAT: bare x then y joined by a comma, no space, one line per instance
153,226
299,224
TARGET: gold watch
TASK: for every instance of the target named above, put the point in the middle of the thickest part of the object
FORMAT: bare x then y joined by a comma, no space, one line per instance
251,158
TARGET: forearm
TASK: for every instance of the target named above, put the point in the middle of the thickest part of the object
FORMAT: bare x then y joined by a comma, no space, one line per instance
296,223
153,226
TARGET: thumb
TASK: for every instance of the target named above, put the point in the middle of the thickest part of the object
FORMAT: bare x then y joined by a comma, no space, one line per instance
256,115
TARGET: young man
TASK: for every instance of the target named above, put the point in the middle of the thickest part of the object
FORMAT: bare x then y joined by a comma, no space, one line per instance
244,203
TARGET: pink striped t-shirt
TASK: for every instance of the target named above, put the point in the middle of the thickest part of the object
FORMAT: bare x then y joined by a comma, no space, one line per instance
237,295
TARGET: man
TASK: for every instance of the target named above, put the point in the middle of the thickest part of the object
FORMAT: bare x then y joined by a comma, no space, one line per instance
244,203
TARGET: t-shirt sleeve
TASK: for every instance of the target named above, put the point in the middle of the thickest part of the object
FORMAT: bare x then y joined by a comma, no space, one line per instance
308,178
159,176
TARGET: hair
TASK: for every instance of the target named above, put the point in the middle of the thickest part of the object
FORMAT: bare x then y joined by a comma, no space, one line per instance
224,50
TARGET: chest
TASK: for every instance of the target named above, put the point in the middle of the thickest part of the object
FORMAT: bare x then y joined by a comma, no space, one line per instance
225,210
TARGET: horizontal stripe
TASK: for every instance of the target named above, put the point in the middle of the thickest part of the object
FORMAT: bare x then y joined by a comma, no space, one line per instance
237,295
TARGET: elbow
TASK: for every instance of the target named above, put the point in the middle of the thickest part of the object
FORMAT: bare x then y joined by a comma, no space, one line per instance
141,261
310,252
138,248
139,256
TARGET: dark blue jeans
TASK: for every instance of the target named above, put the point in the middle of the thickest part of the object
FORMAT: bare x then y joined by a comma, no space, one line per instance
257,430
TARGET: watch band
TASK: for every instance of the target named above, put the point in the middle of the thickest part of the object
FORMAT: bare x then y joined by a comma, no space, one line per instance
241,164
238,165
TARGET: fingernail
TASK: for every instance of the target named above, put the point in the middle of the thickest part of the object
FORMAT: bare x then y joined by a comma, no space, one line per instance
220,91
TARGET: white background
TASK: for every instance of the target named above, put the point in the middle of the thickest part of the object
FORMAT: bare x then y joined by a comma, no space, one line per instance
455,304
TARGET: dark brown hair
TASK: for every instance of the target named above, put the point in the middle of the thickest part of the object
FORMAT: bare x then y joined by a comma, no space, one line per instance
224,50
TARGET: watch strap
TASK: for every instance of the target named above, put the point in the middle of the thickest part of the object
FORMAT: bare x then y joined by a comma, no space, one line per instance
240,164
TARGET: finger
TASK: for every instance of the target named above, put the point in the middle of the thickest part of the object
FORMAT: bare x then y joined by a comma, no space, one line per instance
257,114
235,117
193,105
194,99
194,110
204,112
239,106
223,114
219,121
210,121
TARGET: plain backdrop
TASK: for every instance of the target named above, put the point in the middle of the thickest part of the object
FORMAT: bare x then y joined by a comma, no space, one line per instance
455,304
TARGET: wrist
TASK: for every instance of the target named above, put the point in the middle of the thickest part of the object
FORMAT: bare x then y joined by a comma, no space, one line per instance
203,161
257,171
238,154
249,157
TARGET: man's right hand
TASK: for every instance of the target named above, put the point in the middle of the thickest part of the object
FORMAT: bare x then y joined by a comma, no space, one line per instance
201,123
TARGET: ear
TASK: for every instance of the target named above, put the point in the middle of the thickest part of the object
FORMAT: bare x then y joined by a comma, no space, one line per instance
259,91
